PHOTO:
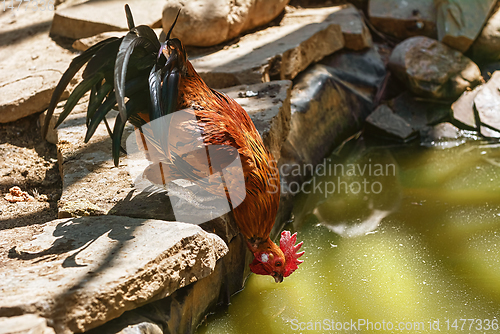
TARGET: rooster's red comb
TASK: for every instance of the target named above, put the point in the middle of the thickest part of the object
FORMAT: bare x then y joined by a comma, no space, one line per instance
288,247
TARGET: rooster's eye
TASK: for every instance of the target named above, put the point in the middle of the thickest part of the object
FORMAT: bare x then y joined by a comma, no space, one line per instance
278,264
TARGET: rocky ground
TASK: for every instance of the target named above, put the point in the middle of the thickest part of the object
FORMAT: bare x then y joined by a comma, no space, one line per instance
309,76
32,165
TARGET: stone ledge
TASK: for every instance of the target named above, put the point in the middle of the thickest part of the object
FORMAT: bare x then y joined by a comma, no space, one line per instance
278,52
80,273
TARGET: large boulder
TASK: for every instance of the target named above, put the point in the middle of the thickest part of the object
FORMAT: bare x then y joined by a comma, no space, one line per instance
207,23
329,103
432,69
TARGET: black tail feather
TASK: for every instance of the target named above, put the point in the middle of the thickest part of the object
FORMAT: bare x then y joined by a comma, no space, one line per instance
133,66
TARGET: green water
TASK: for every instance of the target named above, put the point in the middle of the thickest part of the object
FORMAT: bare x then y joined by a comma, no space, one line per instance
416,256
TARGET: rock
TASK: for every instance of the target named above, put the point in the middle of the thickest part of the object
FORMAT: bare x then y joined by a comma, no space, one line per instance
87,170
443,135
356,34
459,22
325,111
431,69
79,208
385,123
83,44
94,17
486,47
478,110
25,324
187,307
463,112
278,52
31,65
207,23
403,18
365,69
487,102
80,273
419,113
268,105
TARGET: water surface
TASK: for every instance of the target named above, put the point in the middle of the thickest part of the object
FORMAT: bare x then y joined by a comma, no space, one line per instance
413,248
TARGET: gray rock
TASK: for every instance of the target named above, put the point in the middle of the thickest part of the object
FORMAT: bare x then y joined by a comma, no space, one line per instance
477,110
207,23
80,273
365,69
31,65
94,17
403,18
432,69
486,47
443,135
419,113
278,52
385,123
463,110
356,34
487,104
268,105
25,324
459,22
325,111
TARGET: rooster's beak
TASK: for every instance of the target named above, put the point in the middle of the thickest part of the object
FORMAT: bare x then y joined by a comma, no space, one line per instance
278,278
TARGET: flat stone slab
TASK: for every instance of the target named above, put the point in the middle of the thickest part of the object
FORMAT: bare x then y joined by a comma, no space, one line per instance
83,44
94,17
356,33
32,64
268,105
79,273
278,52
385,123
419,113
25,324
404,18
87,170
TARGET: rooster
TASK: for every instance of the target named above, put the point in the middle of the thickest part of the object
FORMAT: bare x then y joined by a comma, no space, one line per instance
157,79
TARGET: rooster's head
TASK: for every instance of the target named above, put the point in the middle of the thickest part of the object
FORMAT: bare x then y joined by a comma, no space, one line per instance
278,262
